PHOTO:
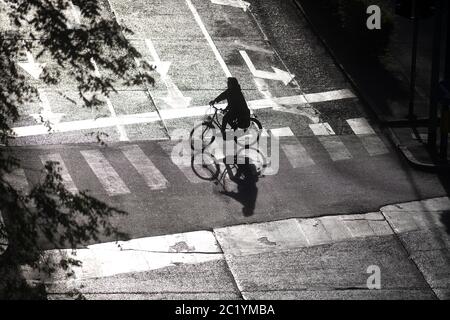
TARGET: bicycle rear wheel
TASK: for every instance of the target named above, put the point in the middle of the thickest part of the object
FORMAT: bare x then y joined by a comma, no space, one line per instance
202,136
205,166
251,134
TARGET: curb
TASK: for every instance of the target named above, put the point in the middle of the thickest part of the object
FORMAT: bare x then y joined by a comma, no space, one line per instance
407,154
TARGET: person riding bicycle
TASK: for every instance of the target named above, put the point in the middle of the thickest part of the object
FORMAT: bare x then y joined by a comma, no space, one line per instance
237,113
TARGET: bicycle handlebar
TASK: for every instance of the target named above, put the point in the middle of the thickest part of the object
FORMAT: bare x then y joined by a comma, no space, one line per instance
218,109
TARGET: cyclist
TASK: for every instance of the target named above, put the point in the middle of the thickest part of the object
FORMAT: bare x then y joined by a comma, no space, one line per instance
237,113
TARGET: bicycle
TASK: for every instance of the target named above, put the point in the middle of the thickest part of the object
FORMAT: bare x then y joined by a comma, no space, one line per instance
206,131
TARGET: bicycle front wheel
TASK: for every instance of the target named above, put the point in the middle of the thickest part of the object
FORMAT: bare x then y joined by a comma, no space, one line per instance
202,136
205,166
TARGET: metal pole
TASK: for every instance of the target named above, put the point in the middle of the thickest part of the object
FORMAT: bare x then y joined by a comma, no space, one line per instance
412,88
433,122
445,88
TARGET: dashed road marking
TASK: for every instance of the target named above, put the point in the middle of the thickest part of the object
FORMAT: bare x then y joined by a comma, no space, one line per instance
244,5
152,176
105,173
65,175
332,143
371,142
296,153
282,132
180,154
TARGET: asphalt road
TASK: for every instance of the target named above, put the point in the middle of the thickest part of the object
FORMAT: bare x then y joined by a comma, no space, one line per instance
332,158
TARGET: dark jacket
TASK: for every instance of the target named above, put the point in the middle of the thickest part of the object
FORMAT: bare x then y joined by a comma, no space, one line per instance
236,102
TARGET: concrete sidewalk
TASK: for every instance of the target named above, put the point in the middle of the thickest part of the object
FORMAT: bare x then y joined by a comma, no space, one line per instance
331,257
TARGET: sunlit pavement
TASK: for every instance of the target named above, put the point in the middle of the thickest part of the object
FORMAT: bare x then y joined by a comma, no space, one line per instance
332,160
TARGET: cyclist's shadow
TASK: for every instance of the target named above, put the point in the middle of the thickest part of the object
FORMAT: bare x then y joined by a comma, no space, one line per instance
246,190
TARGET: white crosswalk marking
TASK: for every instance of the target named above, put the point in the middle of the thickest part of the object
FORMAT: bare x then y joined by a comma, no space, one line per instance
296,153
180,155
371,142
17,179
105,173
152,176
66,178
332,143
282,132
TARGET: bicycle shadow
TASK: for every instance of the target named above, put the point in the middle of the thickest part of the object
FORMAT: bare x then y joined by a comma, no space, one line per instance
246,190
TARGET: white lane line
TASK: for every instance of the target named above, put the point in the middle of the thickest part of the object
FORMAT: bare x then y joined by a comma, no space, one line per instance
65,175
175,98
149,117
120,128
105,173
244,5
252,47
369,139
46,114
332,143
296,153
329,95
122,133
208,38
17,179
152,176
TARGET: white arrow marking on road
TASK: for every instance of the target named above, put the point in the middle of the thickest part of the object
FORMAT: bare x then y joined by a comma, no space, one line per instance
233,3
278,74
46,114
33,68
280,105
73,16
175,97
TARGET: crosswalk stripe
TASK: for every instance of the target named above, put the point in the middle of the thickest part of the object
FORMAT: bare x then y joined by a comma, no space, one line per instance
282,132
296,153
66,178
180,155
17,179
332,143
105,173
152,176
371,142
293,149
